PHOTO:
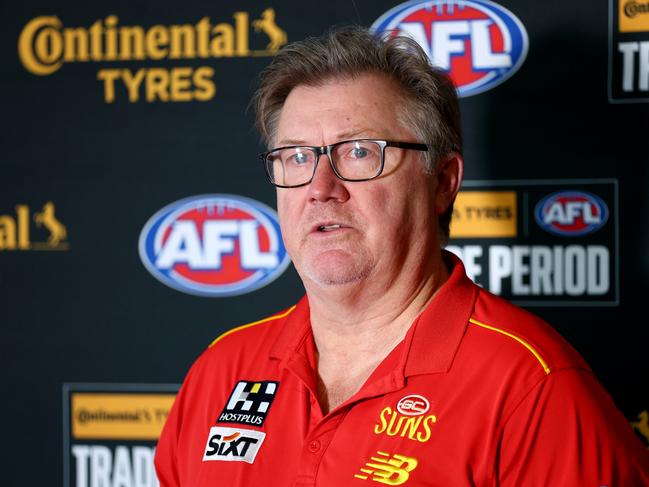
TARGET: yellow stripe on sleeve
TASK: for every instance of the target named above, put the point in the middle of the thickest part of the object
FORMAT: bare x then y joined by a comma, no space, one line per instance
242,327
518,339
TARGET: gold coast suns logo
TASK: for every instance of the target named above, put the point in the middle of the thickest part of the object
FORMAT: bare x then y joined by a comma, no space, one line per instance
42,230
45,45
407,420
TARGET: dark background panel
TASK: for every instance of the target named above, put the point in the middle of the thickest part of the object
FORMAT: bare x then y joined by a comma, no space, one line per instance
93,313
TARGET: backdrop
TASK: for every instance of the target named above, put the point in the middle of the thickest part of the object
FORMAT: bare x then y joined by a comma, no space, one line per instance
136,224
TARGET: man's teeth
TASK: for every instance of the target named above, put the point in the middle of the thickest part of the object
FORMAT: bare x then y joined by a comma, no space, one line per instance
326,228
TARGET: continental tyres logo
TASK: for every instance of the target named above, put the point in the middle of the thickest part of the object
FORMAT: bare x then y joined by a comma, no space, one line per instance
27,230
388,469
110,432
628,52
480,214
45,45
641,427
112,416
634,16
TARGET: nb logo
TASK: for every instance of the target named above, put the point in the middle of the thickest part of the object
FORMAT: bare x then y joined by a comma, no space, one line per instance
386,469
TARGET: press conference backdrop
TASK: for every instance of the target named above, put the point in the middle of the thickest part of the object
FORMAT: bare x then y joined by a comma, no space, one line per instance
136,224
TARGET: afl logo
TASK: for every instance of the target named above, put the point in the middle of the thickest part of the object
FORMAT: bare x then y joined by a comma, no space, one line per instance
413,405
477,42
214,245
570,213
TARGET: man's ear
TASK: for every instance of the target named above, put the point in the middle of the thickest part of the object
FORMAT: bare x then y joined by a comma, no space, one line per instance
448,178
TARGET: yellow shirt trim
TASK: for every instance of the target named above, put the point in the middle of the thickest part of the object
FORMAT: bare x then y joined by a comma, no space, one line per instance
242,327
518,339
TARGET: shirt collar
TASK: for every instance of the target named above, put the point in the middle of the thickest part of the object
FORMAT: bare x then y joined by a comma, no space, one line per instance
436,334
295,330
432,341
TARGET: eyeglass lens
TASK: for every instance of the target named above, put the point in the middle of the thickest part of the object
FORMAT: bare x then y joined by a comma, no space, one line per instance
353,160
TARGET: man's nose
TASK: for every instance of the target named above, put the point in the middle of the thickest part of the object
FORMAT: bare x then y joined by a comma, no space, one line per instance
325,185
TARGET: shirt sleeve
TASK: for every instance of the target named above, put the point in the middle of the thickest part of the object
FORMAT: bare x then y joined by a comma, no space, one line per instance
567,432
166,454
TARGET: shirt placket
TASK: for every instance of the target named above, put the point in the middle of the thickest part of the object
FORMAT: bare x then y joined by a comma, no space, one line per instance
323,428
314,449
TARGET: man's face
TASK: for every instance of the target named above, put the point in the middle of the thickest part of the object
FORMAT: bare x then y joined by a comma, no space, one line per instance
340,232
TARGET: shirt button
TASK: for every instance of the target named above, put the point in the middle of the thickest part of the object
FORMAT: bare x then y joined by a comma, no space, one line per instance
314,446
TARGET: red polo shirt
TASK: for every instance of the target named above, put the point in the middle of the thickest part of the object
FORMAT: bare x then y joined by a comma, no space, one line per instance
479,393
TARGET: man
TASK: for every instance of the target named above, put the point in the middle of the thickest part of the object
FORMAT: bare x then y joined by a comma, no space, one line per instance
394,368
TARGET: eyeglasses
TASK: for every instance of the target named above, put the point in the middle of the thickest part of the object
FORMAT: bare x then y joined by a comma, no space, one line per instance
351,160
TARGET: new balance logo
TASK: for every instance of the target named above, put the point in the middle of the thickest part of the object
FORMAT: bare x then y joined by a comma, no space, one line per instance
386,469
249,402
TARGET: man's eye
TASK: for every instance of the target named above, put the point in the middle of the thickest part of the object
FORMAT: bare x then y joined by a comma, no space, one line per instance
360,152
300,158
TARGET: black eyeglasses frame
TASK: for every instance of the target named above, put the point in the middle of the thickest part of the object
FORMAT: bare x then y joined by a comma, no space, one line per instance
326,150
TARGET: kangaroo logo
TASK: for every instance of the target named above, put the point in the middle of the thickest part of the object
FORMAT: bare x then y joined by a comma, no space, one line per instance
267,24
46,218
642,425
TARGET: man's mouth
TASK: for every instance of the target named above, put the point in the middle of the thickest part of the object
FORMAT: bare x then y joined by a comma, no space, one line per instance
329,228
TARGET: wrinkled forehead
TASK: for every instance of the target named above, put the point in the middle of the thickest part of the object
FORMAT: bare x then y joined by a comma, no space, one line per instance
342,107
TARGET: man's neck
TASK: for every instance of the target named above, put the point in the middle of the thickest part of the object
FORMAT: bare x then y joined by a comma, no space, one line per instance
355,328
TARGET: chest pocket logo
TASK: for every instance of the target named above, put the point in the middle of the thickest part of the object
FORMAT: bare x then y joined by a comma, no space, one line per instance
249,402
389,470
233,444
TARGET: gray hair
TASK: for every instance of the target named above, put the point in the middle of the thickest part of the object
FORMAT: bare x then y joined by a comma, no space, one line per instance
430,108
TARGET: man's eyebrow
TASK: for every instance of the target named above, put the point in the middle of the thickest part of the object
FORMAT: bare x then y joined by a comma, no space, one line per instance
357,134
284,142
352,134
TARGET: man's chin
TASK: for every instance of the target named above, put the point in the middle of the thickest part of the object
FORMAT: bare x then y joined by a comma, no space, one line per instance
331,279
336,270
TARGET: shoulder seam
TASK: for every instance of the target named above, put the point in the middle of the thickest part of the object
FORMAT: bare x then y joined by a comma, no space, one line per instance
254,323
529,347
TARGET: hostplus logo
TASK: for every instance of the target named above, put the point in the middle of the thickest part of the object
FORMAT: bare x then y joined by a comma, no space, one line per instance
249,402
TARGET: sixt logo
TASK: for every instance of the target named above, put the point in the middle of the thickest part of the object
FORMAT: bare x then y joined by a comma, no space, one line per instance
571,213
478,43
214,245
233,445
